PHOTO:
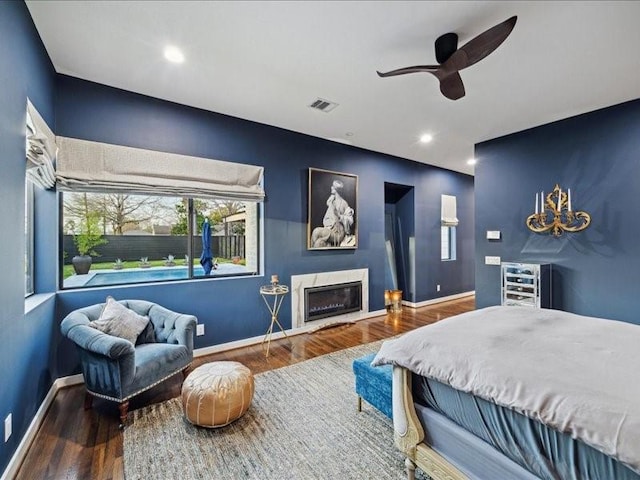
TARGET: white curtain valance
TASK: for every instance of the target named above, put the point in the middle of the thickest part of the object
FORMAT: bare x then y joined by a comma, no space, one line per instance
100,167
41,150
449,214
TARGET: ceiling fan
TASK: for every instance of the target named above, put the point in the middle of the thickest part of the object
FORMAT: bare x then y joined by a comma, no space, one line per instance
452,59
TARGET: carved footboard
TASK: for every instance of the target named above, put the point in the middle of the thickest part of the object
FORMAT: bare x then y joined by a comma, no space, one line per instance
409,434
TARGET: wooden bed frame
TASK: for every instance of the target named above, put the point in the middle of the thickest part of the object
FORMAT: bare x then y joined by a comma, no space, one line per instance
409,434
445,450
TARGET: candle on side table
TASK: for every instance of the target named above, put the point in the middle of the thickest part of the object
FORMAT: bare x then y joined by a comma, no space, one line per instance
274,278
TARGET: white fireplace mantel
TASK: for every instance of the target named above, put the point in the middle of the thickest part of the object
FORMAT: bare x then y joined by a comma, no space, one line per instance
300,282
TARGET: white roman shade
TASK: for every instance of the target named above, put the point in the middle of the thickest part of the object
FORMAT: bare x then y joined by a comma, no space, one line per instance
100,167
449,214
41,150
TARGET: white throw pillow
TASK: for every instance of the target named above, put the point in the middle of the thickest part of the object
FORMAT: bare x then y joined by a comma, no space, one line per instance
119,321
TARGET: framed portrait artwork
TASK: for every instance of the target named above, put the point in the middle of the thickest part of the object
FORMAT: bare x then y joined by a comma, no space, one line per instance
333,210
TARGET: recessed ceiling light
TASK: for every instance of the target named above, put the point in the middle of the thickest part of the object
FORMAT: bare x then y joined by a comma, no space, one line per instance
426,138
471,161
173,54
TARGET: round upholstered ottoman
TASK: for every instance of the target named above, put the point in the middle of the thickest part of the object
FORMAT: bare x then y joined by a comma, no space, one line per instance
217,393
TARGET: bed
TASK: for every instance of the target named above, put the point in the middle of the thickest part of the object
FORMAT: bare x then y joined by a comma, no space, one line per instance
518,393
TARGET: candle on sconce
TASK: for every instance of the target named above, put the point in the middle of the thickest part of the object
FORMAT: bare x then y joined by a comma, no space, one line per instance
274,278
559,199
560,217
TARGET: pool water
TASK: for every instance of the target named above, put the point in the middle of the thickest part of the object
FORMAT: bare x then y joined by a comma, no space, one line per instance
139,275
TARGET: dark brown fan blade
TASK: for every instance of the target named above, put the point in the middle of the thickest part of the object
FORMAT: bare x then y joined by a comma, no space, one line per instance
416,69
479,47
452,87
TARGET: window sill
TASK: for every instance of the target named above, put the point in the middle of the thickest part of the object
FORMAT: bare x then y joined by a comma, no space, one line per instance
34,301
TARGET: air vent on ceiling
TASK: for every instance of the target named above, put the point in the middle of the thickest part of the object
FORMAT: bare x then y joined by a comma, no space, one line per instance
323,105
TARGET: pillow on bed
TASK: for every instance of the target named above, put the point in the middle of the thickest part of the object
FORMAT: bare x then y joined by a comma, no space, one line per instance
119,321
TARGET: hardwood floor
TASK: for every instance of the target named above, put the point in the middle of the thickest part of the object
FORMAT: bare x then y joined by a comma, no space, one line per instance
76,444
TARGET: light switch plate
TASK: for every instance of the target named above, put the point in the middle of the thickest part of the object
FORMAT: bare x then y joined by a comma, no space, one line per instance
493,234
492,260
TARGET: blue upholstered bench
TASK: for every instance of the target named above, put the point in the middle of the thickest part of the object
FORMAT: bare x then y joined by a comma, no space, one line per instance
373,384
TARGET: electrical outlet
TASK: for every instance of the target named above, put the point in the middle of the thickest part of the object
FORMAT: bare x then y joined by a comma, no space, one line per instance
437,288
7,427
200,329
492,260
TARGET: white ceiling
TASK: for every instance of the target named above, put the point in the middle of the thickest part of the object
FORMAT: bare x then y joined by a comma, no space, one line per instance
267,61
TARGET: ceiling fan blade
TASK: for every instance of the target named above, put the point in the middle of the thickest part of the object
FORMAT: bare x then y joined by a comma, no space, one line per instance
479,47
416,69
451,86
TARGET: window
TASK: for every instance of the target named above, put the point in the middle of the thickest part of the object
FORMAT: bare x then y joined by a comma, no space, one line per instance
147,238
447,243
28,239
449,221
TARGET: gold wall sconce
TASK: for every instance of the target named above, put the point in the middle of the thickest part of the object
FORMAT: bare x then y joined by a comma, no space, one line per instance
393,300
554,214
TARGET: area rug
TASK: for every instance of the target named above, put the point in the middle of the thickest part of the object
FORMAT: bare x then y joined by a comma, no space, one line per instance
303,424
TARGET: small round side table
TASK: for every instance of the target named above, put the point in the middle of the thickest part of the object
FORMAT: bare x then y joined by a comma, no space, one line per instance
277,293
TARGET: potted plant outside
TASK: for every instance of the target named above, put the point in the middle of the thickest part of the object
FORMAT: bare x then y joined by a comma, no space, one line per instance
85,242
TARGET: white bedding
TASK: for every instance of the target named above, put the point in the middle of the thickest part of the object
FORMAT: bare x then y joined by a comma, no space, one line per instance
577,374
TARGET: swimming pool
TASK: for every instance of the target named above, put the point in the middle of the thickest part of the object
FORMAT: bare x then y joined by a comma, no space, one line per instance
140,275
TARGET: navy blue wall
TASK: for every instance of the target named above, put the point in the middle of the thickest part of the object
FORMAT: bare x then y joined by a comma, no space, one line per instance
25,376
597,155
34,354
430,270
232,309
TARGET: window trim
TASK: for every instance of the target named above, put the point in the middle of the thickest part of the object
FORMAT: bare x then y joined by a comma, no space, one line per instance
191,215
29,217
451,243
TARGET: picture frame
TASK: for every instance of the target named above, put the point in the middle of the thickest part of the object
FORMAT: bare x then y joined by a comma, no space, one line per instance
332,221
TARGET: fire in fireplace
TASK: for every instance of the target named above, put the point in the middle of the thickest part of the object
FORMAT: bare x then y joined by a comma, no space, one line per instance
331,300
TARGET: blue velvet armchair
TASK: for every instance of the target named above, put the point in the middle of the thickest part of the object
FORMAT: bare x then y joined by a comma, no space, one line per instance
115,368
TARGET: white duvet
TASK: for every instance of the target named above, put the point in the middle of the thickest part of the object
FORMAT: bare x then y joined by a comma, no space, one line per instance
579,375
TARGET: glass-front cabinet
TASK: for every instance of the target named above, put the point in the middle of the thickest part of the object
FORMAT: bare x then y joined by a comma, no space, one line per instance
526,284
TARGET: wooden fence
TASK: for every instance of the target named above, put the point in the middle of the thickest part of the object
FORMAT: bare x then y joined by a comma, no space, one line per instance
157,247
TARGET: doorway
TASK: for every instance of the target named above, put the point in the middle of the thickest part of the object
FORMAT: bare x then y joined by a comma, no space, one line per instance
399,215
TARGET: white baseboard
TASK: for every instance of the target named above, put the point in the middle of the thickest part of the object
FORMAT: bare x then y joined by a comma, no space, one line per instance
245,342
69,381
21,452
63,382
438,300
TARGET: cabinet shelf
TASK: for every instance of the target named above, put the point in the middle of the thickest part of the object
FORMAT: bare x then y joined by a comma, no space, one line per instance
526,284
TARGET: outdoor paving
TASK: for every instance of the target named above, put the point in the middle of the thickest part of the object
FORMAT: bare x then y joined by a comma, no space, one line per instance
75,281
